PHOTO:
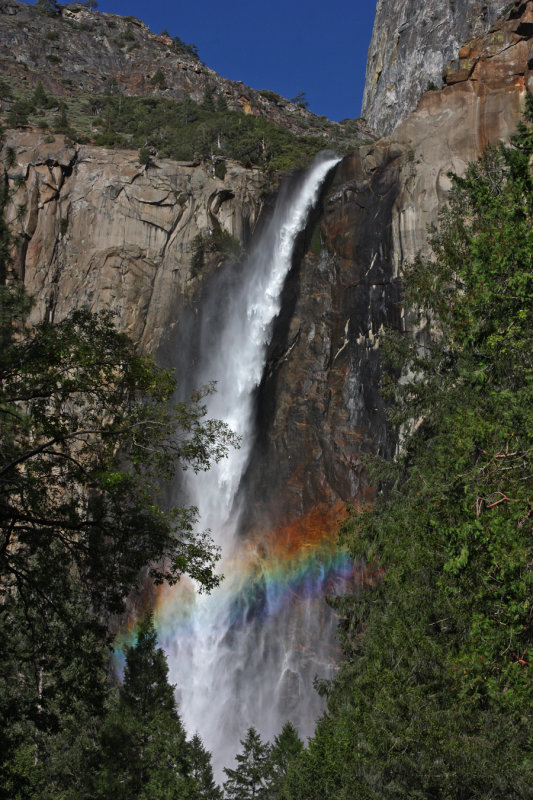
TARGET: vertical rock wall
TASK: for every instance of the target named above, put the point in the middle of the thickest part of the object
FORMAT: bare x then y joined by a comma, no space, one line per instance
411,44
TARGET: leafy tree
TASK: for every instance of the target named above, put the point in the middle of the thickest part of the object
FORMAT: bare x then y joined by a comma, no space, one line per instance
49,7
434,696
87,436
249,780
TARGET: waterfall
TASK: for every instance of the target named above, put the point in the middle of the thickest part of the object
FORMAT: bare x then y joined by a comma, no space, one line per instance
237,655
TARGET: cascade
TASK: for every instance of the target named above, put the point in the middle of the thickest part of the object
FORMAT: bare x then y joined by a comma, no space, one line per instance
244,654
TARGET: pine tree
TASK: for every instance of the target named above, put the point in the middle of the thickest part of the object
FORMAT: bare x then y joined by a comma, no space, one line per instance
209,99
249,780
188,111
222,103
39,96
286,748
144,749
201,772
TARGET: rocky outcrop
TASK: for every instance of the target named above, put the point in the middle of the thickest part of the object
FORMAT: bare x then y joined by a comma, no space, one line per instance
81,51
96,229
411,44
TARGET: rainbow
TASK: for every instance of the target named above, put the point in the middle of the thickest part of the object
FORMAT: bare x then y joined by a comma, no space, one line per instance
294,564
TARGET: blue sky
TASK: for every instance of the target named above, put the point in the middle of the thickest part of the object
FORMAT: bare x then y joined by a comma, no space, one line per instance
288,46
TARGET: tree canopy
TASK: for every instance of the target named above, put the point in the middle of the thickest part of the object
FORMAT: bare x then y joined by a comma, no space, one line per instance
89,434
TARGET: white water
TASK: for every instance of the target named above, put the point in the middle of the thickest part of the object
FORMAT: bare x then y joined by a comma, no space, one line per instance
233,664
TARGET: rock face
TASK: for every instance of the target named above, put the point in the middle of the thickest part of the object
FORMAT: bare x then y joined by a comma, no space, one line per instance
319,406
411,44
99,230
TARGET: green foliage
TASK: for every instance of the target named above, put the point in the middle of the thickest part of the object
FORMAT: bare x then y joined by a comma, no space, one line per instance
284,752
272,96
434,695
198,255
144,750
209,100
51,8
186,131
220,170
300,100
40,98
201,772
5,233
53,58
217,243
249,779
17,116
61,124
144,157
5,91
158,80
187,49
87,437
222,104
10,158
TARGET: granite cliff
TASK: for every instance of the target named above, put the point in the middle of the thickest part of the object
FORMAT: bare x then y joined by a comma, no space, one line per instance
411,44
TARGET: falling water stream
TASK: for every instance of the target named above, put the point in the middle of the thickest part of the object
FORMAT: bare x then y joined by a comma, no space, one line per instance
240,656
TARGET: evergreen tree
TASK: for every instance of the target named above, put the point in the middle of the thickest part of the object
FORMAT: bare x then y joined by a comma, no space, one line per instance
286,748
208,103
49,7
39,96
144,749
222,104
249,780
188,111
201,772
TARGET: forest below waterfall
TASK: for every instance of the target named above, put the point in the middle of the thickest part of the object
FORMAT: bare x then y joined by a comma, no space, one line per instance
433,694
